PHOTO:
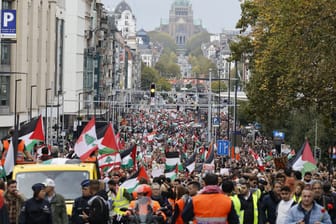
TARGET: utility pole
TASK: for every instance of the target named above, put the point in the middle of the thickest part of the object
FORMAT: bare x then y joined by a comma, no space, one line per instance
235,107
228,101
209,107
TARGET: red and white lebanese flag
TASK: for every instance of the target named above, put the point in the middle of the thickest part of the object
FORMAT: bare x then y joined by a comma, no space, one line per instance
150,136
87,141
259,160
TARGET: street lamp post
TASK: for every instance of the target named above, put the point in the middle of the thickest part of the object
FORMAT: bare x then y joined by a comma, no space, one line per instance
219,102
78,115
235,107
228,101
16,125
15,102
79,95
31,101
46,117
209,107
59,92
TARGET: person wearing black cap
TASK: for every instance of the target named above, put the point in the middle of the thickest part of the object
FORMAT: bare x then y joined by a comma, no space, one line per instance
36,210
81,204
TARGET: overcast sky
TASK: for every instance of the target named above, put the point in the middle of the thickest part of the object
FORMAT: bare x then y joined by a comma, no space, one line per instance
215,14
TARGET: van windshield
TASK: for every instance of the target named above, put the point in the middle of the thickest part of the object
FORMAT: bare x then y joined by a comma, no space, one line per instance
67,182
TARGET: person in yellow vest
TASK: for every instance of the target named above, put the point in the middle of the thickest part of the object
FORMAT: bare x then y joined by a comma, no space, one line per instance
228,189
210,205
22,152
118,198
249,203
299,186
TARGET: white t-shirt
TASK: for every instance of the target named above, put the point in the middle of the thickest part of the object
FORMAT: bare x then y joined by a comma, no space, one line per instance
282,210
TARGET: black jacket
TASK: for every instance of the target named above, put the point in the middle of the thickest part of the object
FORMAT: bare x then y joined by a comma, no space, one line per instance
328,201
99,209
80,205
35,211
267,209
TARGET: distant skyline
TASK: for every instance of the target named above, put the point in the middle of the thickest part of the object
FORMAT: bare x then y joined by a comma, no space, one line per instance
215,15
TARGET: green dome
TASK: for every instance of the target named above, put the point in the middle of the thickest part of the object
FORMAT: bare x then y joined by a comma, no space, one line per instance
182,2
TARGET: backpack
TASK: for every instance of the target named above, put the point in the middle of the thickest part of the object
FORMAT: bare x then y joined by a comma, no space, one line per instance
105,209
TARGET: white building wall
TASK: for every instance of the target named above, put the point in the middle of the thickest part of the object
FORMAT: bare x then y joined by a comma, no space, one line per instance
130,75
127,24
32,58
74,44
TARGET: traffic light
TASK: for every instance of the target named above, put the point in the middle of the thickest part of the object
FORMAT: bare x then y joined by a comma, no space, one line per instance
152,90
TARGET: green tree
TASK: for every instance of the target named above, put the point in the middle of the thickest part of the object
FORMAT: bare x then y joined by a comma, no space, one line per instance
291,50
163,84
167,65
201,65
195,42
245,114
164,39
218,86
148,75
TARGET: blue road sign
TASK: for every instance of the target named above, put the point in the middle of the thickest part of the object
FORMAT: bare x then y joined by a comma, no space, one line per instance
8,23
278,135
216,122
223,147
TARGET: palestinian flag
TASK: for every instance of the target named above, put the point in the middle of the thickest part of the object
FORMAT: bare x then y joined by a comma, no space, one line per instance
87,141
202,152
107,143
128,157
173,158
304,160
210,156
191,162
171,172
108,150
32,133
291,154
133,181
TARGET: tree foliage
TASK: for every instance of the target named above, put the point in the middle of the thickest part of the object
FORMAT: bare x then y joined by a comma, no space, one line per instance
218,86
201,65
148,75
164,39
167,65
151,75
194,44
291,50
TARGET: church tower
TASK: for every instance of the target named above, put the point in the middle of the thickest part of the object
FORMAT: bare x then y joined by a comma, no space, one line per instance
181,24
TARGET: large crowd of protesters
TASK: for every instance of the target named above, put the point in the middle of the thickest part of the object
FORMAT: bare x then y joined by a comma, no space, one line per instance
237,190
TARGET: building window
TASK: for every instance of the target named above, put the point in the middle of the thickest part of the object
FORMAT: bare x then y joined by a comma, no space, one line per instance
4,90
6,4
5,54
